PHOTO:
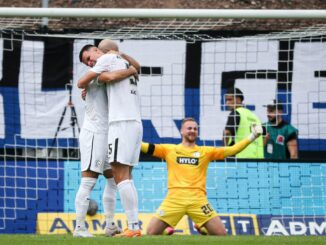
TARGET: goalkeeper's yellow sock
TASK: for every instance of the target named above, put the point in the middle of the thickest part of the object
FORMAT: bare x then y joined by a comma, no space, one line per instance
202,230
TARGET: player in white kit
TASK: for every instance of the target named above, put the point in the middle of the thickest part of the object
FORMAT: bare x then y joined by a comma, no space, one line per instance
93,148
125,129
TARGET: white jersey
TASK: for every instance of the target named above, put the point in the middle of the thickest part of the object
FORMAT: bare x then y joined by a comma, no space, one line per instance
123,97
96,112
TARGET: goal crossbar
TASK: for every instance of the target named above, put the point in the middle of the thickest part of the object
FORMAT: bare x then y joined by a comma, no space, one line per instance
164,13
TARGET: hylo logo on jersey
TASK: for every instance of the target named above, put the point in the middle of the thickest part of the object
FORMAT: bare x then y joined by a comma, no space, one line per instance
187,160
280,139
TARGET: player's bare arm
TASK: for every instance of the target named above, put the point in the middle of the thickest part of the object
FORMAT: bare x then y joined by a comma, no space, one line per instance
266,138
293,148
86,79
131,61
108,77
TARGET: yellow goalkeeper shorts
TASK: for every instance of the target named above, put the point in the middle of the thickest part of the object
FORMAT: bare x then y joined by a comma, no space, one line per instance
172,210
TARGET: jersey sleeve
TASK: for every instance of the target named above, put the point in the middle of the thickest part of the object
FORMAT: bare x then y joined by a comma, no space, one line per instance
160,150
103,64
223,152
215,153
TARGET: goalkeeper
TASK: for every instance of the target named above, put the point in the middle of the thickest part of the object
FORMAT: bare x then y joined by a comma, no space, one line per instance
187,165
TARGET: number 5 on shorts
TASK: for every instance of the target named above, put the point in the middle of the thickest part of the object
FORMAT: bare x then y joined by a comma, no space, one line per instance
110,149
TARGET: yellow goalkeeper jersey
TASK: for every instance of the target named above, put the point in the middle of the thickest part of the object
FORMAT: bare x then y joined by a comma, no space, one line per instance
187,168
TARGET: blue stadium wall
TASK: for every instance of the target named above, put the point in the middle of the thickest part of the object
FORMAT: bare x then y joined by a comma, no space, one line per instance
283,198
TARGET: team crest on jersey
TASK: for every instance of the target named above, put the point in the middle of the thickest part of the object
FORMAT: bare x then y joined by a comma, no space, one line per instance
187,160
197,154
280,139
98,163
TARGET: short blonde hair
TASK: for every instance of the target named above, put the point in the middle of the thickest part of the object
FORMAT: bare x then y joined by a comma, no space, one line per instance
188,119
107,44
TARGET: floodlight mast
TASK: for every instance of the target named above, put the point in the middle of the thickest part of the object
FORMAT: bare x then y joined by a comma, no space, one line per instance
164,13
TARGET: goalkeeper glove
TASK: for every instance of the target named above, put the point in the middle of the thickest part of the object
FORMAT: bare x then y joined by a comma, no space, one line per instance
256,131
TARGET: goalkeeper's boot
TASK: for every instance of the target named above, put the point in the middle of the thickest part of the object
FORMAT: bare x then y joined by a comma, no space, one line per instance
129,233
201,230
112,231
82,232
168,231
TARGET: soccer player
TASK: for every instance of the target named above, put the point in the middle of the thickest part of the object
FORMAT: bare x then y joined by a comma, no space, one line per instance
281,140
125,128
93,148
187,165
238,125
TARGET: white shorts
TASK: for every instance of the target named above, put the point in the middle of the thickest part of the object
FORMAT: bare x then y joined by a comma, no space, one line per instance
93,151
124,142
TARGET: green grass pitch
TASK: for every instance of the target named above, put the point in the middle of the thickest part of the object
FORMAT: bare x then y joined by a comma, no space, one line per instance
168,240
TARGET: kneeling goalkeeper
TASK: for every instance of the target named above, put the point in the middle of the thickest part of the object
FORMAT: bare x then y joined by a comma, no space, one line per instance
187,165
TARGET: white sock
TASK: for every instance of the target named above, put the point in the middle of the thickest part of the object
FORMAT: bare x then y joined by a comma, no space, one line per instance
82,200
109,198
129,201
135,192
136,197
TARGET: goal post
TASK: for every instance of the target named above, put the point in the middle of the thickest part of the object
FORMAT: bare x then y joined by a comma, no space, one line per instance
189,57
164,13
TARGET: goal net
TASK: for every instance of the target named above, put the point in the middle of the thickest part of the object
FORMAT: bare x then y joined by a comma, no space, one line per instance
187,65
